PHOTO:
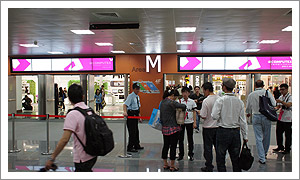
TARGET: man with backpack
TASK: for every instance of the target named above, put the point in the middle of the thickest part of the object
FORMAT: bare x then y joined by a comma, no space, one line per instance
261,125
75,123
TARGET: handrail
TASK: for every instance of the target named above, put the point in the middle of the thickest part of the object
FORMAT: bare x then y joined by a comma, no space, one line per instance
63,116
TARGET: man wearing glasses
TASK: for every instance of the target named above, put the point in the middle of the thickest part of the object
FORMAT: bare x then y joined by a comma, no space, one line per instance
284,123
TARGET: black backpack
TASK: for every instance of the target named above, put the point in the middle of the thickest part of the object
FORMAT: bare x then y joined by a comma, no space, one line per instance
266,108
246,159
99,138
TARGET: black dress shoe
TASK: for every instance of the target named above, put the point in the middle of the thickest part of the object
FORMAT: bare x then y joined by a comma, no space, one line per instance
206,169
139,148
261,162
191,158
286,152
278,149
132,150
180,158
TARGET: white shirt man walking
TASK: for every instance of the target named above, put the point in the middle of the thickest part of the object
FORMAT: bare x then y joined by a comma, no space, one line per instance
261,125
229,112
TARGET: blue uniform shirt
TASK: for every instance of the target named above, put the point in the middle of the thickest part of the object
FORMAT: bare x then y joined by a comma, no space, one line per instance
132,103
98,98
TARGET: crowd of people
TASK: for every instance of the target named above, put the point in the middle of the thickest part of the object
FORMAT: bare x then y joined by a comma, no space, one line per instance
224,119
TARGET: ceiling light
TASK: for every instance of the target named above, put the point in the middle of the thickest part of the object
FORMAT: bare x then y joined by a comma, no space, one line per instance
82,31
248,42
55,52
118,51
289,28
184,42
104,44
268,41
29,45
184,50
252,50
185,29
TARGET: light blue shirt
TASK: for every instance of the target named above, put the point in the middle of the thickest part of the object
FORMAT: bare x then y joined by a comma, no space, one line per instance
98,98
132,102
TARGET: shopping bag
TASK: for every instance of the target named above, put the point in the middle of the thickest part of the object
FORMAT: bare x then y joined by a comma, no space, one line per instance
103,103
155,119
180,116
246,159
266,108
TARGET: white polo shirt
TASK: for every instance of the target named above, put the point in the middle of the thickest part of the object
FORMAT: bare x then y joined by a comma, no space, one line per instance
206,109
191,106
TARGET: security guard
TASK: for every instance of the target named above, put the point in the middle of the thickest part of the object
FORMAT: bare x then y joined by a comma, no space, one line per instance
131,107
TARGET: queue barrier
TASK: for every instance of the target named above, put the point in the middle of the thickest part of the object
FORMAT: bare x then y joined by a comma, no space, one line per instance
16,150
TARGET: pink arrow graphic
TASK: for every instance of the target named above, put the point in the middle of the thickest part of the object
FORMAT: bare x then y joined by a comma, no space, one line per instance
242,67
22,66
193,62
68,67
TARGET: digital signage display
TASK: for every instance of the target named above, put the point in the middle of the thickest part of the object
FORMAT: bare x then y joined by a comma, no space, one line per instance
100,64
193,63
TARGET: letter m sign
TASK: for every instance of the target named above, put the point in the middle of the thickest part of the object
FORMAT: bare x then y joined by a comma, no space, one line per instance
153,64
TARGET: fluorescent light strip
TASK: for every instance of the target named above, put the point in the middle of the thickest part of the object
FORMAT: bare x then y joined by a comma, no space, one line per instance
28,45
252,50
185,29
184,50
104,44
184,42
82,31
289,28
55,52
118,51
268,41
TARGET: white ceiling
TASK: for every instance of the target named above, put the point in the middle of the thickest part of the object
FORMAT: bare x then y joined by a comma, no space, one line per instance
223,30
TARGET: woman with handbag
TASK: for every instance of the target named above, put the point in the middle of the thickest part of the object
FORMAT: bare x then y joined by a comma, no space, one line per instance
170,128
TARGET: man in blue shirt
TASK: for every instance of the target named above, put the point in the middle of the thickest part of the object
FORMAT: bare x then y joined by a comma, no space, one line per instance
131,107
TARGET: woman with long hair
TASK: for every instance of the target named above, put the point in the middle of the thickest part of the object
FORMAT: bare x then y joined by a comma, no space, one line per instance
170,128
98,98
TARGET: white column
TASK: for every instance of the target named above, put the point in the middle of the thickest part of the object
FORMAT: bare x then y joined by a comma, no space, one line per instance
19,92
12,94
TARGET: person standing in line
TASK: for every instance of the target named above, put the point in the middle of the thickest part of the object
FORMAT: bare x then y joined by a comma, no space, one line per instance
261,125
61,98
209,126
229,113
189,124
98,98
198,98
170,128
284,123
276,93
74,123
131,107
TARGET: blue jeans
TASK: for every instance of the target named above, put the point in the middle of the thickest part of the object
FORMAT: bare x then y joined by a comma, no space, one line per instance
262,131
209,140
228,139
197,121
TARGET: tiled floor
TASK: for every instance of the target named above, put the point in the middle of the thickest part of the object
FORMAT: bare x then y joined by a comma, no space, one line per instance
31,139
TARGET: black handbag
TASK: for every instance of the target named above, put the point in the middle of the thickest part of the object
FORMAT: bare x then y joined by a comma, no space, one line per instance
266,108
246,159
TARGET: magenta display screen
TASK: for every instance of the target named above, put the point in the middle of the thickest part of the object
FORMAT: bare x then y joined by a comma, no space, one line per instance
235,63
100,64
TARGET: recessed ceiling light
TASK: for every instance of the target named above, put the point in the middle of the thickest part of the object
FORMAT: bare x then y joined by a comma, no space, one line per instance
82,31
252,50
104,44
268,41
29,45
118,51
248,42
184,50
289,28
185,29
55,52
184,42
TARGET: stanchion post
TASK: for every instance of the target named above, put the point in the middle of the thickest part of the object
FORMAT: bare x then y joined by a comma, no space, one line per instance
48,135
14,146
125,155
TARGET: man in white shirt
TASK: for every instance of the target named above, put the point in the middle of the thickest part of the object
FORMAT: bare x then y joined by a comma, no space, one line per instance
261,125
284,125
189,124
229,113
209,126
